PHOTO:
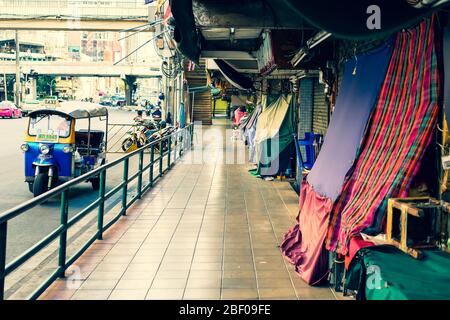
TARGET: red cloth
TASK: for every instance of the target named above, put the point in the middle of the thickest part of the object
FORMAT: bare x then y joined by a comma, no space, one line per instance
303,245
357,243
238,115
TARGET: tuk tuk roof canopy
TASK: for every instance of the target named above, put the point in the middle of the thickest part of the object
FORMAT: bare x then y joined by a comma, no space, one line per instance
75,110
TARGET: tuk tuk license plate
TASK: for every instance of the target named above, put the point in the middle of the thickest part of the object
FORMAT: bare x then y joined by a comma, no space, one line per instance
45,137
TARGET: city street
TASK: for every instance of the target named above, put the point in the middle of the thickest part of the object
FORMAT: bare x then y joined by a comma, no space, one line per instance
27,229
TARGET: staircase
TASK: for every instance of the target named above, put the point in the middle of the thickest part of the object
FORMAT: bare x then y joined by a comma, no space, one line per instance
201,100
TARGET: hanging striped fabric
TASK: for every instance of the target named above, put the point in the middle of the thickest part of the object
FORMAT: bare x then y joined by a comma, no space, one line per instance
401,128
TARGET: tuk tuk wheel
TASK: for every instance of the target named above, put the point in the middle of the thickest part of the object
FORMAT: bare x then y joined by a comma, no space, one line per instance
40,184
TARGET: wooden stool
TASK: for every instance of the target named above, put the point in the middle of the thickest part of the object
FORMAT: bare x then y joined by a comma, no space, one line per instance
418,207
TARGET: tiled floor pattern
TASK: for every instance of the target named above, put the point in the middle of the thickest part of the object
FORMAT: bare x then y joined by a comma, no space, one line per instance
206,231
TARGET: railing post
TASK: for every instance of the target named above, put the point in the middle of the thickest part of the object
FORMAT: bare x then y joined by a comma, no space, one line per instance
139,181
125,186
63,217
191,129
184,142
101,206
161,157
169,150
3,239
175,147
152,160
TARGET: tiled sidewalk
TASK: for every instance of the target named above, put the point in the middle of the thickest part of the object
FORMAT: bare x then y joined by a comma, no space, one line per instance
206,231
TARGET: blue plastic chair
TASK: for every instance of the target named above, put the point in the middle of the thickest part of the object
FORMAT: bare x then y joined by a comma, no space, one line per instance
310,142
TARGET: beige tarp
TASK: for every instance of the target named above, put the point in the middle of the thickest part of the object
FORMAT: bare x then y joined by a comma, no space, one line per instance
270,120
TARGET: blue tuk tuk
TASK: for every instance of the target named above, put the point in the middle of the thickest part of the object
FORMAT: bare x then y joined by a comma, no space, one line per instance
55,150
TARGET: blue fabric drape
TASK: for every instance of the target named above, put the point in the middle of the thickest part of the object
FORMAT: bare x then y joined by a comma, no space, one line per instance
361,83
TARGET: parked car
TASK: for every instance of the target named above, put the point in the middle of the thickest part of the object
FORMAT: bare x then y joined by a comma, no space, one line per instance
118,101
106,102
9,110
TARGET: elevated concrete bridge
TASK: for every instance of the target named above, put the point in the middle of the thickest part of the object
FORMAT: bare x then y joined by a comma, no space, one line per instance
82,69
66,15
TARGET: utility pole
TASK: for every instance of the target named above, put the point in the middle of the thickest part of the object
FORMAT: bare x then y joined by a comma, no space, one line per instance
18,82
6,86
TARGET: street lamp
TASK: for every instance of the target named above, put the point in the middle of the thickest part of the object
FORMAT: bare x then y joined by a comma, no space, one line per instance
51,87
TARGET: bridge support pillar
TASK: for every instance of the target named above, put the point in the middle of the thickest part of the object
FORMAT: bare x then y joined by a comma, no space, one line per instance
130,88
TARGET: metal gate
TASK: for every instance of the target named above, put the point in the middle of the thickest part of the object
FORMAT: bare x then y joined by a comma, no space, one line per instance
117,133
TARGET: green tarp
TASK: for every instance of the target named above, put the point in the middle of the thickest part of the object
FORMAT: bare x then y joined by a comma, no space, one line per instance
274,140
386,273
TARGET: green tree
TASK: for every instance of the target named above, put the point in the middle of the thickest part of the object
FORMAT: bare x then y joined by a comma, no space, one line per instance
43,84
10,79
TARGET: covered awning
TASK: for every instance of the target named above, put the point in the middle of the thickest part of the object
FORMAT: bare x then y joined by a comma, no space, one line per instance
237,79
235,26
351,19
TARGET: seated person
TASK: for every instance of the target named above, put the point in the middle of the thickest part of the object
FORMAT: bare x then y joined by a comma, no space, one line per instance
157,113
139,117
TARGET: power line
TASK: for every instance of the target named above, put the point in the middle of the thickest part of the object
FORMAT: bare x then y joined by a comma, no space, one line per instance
148,41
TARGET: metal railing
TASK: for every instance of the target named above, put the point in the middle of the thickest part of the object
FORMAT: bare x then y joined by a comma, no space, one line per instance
179,141
116,134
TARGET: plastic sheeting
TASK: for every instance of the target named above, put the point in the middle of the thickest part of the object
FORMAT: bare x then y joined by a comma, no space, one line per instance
249,132
386,273
356,99
273,137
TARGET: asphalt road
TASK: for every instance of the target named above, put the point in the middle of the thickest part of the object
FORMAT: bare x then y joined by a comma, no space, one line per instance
32,226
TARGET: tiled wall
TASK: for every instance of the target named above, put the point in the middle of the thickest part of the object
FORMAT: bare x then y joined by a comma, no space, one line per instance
320,109
306,92
313,109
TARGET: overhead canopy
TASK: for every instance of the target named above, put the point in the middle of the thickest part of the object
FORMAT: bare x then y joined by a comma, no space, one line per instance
204,25
349,18
237,79
75,110
185,31
245,14
236,25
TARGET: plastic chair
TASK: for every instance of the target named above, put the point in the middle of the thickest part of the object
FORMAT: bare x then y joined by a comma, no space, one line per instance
310,143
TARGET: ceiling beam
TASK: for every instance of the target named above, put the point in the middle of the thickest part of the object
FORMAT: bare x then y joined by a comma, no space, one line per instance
227,55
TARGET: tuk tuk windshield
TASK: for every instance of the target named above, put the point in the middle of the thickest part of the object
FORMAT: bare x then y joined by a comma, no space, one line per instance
49,125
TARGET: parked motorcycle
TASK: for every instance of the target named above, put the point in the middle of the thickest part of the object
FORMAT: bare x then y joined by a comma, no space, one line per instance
164,131
134,140
144,132
139,135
